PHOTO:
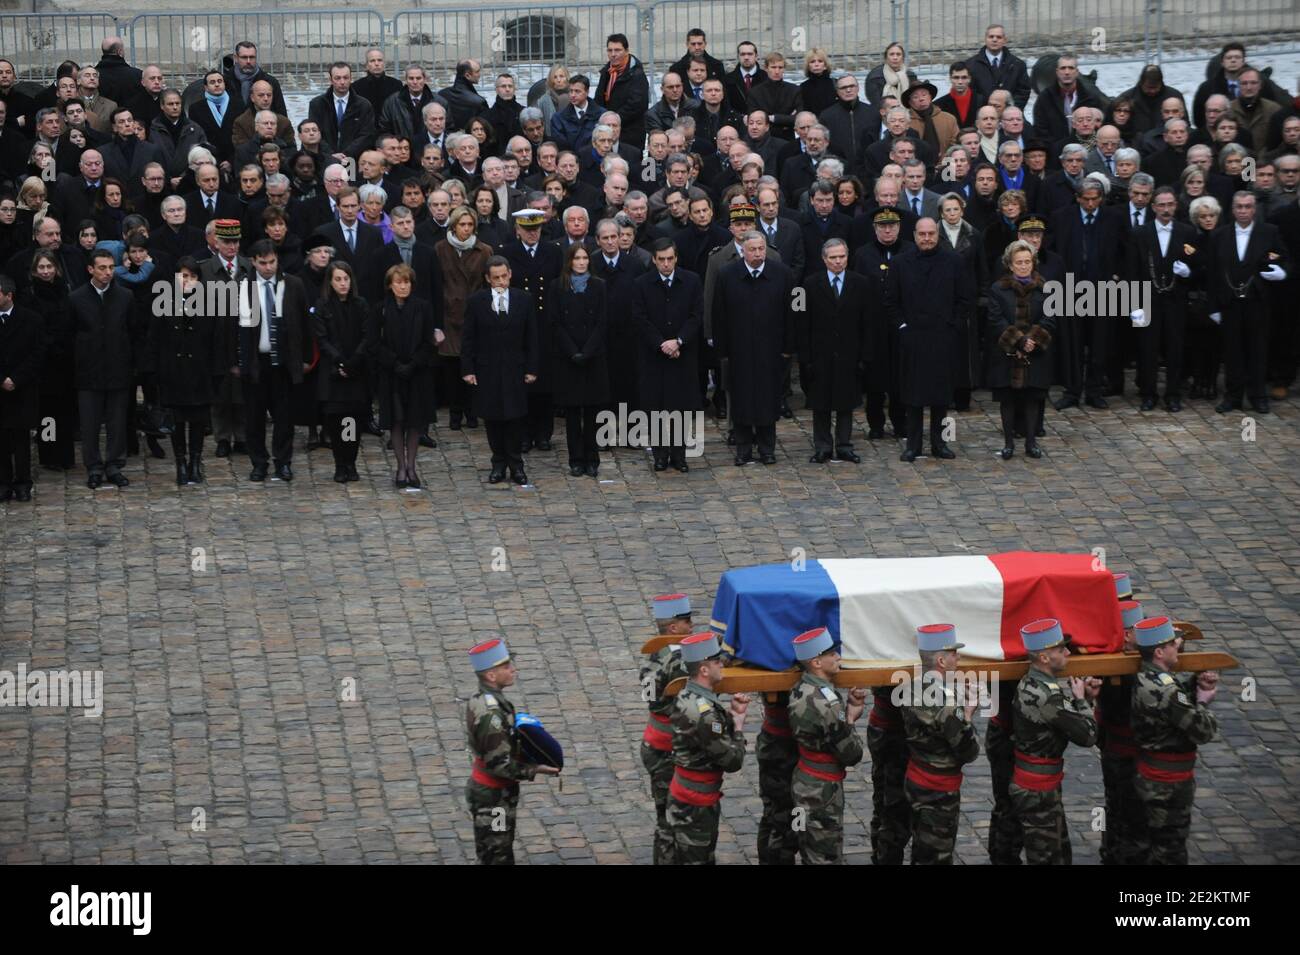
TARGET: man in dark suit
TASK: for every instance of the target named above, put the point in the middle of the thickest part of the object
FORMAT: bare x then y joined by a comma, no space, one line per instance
274,351
800,172
354,241
1055,104
783,234
834,345
1090,239
73,197
747,74
994,67
126,155
1160,255
571,127
346,120
697,45
175,238
667,311
824,221
962,101
619,270
22,337
216,113
103,314
779,99
624,88
375,84
407,249
208,201
1246,254
499,339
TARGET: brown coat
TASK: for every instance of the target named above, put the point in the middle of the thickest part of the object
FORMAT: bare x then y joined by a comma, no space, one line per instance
462,275
945,125
243,131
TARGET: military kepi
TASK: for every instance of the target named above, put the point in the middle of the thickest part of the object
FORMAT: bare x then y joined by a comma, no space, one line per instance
488,654
1123,586
934,637
1155,632
667,606
700,646
227,229
1042,635
1130,611
538,746
812,643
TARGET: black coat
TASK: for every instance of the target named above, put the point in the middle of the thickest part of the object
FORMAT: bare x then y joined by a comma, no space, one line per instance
1006,336
1011,75
1049,109
1235,283
753,329
927,298
780,101
695,245
970,246
358,128
51,301
853,128
1146,264
660,313
623,337
581,325
835,340
630,99
873,263
102,349
405,354
427,275
1065,230
499,351
22,346
186,355
538,275
217,134
346,334
839,226
369,241
294,336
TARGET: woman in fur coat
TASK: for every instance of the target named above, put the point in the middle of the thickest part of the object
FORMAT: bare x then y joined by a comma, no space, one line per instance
1019,333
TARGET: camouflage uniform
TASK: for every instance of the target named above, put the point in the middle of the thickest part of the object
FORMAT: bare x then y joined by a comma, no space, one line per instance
492,793
1168,725
827,744
1005,838
940,741
705,745
663,666
891,825
776,753
1046,721
1123,841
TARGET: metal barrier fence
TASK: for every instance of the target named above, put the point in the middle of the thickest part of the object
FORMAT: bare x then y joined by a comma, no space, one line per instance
298,44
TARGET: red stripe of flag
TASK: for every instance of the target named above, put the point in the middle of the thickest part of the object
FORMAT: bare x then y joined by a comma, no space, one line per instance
1064,586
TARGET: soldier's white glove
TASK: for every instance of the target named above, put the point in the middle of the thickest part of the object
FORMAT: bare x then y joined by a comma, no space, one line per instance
1216,317
1181,270
1139,318
1274,273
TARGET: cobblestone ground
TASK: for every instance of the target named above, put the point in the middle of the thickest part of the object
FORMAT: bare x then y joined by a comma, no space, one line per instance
223,686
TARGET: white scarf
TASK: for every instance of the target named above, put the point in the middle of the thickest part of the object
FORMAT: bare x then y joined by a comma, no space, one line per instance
465,246
895,83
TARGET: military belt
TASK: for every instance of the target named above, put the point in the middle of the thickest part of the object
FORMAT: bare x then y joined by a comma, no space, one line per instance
1038,773
807,756
696,787
655,737
937,778
1162,767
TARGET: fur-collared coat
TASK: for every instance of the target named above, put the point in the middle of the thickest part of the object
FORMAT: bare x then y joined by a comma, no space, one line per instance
1016,314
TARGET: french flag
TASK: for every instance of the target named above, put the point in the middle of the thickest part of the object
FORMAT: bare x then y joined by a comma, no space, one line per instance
873,606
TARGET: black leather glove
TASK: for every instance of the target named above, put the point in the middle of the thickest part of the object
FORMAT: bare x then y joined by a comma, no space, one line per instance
579,358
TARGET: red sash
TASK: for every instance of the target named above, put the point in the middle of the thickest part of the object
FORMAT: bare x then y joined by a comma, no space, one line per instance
1037,772
1119,740
1166,767
657,738
884,718
931,777
824,759
478,772
696,787
776,720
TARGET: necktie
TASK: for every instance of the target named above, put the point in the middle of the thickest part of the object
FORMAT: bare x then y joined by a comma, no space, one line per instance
338,113
749,81
668,283
698,94
532,251
837,286
996,61
754,273
500,303
268,306
352,238
231,268
916,206
1110,165
578,113
1232,89
1088,220
771,232
212,205
1137,217
609,263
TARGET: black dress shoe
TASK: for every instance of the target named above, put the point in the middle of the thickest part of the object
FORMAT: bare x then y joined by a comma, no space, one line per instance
525,446
661,465
194,473
23,493
720,410
471,421
849,456
258,473
944,452
284,472
352,474
1259,405
400,482
577,470
455,423
1007,453
543,445
909,456
875,434
741,460
519,477
223,448
731,437
413,481
6,493
1098,402
1226,405
497,476
785,411
681,466
427,442
593,470
767,458
372,427
1174,405
1148,404
819,457
118,478
1033,450
340,476
1062,403
1040,432
182,474
94,480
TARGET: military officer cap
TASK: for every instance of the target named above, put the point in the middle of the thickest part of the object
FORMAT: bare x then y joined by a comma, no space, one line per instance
699,647
812,643
886,216
1123,586
934,637
529,218
538,746
1155,632
1043,635
227,229
488,654
1031,224
668,606
1130,612
742,211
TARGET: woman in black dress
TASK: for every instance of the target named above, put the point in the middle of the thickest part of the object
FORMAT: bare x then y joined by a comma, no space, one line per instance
490,228
345,333
1019,333
184,355
582,379
404,344
47,293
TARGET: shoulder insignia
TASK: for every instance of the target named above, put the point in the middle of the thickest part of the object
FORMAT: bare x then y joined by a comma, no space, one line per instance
704,705
1166,679
717,727
830,694
489,699
495,721
1182,698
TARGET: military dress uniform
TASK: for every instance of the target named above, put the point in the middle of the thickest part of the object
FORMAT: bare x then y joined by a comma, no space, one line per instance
891,823
1047,720
492,793
1168,725
776,753
940,741
1005,837
662,667
1123,841
827,745
705,745
536,270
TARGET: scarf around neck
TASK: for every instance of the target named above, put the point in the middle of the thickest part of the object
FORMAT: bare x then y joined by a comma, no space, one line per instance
460,246
578,281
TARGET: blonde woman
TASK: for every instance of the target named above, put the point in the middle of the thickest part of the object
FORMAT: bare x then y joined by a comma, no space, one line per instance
461,258
818,90
556,96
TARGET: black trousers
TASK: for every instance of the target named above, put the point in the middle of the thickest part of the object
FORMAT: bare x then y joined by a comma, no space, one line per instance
822,431
505,438
580,433
876,411
345,451
1021,410
271,392
61,410
1245,349
107,410
1084,355
452,389
1166,334
915,414
749,434
15,457
1204,345
1283,337
541,418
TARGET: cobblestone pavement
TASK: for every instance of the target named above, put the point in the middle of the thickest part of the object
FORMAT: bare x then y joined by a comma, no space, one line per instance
223,686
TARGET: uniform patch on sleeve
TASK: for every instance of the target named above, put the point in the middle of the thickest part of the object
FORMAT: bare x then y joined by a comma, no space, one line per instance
704,705
1166,679
495,721
717,727
489,699
830,694
1182,698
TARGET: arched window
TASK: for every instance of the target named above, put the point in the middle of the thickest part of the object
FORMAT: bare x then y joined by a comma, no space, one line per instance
535,39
